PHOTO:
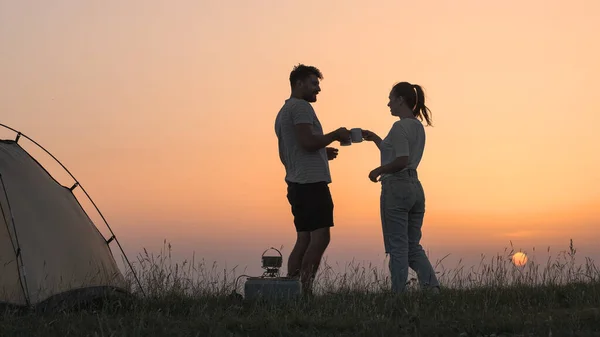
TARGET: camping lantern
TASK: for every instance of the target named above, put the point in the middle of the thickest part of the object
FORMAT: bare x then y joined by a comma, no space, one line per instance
271,264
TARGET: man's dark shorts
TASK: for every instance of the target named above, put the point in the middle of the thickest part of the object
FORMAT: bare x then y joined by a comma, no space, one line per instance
312,205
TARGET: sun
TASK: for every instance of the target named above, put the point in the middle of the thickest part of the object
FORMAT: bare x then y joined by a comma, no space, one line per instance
519,259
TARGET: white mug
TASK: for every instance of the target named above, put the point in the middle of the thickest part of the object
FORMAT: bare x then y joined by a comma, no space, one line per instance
356,135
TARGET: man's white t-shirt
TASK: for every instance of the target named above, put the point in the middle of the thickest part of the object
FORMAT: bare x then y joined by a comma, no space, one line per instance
301,166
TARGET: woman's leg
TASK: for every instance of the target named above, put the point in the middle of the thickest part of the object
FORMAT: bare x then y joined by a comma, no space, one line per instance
417,258
395,204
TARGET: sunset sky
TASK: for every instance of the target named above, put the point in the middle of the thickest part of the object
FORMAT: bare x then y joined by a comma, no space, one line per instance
164,111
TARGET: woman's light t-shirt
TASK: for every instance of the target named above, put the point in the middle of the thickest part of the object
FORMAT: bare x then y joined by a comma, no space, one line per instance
405,138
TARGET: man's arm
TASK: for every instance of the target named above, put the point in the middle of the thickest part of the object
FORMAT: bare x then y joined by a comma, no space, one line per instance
302,117
311,142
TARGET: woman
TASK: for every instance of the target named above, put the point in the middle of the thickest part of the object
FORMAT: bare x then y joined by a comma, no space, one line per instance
402,196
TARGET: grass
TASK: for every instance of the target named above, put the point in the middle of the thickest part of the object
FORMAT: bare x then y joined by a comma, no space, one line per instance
496,298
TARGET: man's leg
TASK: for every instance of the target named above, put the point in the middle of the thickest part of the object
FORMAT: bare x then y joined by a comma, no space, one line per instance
297,254
296,196
319,217
319,240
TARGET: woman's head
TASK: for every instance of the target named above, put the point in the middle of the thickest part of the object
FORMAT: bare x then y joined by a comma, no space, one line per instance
408,99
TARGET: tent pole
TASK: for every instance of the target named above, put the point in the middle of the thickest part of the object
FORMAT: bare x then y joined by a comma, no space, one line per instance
17,249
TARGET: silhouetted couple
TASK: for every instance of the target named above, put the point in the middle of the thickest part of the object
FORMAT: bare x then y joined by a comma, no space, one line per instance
304,151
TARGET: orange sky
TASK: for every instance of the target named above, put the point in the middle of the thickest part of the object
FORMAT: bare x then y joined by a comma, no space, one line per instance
165,111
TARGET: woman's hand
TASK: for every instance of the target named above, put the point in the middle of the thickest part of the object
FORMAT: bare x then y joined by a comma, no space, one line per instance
369,135
374,175
372,137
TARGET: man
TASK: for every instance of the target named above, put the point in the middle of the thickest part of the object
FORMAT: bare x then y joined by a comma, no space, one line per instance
304,152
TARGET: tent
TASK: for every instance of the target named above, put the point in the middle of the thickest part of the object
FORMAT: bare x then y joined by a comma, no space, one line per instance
50,250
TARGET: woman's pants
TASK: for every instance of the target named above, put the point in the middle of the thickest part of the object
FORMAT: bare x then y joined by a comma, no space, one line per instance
402,212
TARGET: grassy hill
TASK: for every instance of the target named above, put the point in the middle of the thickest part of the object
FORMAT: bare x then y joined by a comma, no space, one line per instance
558,298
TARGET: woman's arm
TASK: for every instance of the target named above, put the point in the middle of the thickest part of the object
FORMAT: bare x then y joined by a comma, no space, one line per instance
397,165
371,137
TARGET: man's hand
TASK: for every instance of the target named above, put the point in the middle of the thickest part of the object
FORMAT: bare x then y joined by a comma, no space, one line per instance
331,153
342,134
374,175
311,142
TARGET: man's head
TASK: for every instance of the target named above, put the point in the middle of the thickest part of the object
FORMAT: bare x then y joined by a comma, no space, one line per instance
304,81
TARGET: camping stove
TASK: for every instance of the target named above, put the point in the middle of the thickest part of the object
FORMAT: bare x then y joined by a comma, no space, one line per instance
271,285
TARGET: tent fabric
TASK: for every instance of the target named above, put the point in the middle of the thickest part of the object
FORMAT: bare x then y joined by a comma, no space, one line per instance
48,244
